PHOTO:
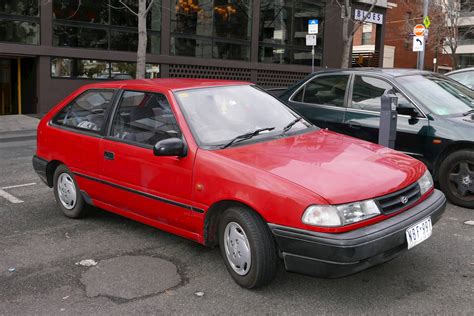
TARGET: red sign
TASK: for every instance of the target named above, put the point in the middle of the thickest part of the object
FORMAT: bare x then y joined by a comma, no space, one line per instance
419,30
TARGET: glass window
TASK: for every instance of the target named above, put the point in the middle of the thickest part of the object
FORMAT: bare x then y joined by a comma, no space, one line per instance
276,55
72,36
144,118
98,69
284,22
103,24
213,29
19,32
326,90
217,115
438,94
191,47
465,77
20,7
90,11
367,93
87,111
231,51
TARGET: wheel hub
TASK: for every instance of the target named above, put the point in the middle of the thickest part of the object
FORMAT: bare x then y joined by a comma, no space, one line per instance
467,180
67,191
237,248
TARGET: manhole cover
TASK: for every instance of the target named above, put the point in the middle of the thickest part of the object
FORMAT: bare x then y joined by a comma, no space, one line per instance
130,277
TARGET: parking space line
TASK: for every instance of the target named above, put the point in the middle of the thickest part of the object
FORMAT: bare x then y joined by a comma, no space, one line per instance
18,186
9,197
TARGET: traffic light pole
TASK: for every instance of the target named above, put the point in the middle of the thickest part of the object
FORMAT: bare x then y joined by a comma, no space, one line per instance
421,55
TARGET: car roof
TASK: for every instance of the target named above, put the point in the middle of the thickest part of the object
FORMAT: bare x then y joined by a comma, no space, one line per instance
172,84
389,72
460,71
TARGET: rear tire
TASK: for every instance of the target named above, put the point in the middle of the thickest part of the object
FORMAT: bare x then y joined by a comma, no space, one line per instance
247,247
67,193
456,178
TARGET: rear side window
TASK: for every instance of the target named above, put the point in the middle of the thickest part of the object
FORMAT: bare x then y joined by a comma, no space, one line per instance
326,90
144,118
87,112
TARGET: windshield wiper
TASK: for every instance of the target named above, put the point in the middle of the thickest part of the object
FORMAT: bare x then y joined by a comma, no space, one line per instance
468,112
289,126
247,136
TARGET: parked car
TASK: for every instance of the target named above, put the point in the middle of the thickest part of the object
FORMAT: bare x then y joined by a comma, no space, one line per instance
435,121
224,163
464,76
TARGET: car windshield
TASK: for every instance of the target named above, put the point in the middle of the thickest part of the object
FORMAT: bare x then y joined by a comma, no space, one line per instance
217,115
440,95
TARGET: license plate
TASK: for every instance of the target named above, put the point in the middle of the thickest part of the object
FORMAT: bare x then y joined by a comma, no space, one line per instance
419,232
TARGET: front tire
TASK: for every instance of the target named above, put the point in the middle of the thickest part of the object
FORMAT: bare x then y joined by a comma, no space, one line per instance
247,247
456,178
67,193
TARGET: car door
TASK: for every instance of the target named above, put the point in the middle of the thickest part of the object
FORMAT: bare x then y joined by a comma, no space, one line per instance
76,134
154,187
322,100
362,118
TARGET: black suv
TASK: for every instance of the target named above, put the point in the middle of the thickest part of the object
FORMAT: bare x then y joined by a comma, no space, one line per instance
435,117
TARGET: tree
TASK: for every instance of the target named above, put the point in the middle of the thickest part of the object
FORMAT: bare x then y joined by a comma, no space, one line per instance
144,8
454,30
347,33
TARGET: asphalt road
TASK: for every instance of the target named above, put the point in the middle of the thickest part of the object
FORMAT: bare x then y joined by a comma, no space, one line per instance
142,270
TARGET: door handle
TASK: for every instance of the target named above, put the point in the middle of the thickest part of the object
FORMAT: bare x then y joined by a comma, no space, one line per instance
108,155
355,125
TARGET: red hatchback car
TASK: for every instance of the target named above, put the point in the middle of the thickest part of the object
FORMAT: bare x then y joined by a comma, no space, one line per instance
224,163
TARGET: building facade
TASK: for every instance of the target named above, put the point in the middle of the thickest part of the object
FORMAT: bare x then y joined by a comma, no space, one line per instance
50,48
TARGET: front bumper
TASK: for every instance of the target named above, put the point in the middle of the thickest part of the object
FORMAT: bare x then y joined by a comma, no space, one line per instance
338,255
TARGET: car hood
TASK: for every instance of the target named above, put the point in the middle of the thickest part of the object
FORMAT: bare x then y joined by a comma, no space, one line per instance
339,168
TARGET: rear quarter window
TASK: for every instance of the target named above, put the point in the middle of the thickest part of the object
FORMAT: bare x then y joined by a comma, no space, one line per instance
87,112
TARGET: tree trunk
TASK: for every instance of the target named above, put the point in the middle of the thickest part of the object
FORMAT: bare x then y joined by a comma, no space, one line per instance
454,60
346,60
142,40
346,37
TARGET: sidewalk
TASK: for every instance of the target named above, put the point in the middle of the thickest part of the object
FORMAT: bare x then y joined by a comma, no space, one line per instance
18,124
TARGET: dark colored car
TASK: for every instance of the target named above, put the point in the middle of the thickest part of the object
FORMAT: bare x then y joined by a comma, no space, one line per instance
464,76
224,163
435,121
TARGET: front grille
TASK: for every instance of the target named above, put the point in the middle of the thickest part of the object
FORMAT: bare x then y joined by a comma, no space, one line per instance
392,203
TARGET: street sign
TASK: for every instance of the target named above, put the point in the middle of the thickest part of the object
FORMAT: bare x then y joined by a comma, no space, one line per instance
427,22
419,30
311,40
418,43
372,17
313,26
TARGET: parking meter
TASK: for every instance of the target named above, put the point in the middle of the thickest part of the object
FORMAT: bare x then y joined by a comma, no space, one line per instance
388,119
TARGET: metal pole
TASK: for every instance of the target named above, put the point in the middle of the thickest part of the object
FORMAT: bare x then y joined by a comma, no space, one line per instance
421,55
312,58
19,84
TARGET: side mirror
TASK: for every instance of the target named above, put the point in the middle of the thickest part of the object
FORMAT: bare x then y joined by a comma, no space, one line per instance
407,109
170,147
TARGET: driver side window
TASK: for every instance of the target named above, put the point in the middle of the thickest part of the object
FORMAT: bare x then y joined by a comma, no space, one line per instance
87,112
144,118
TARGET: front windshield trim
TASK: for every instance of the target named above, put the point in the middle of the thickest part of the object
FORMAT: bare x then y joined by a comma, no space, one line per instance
310,127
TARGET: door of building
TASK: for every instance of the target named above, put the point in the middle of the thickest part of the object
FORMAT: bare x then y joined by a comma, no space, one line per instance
17,85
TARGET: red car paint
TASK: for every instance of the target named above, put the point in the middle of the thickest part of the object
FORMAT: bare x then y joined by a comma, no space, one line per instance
279,178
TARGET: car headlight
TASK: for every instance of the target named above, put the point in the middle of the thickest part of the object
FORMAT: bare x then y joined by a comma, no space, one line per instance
340,215
425,182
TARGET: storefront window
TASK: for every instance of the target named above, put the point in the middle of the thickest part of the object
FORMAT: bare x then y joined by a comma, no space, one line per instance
103,24
283,29
215,28
98,69
19,21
